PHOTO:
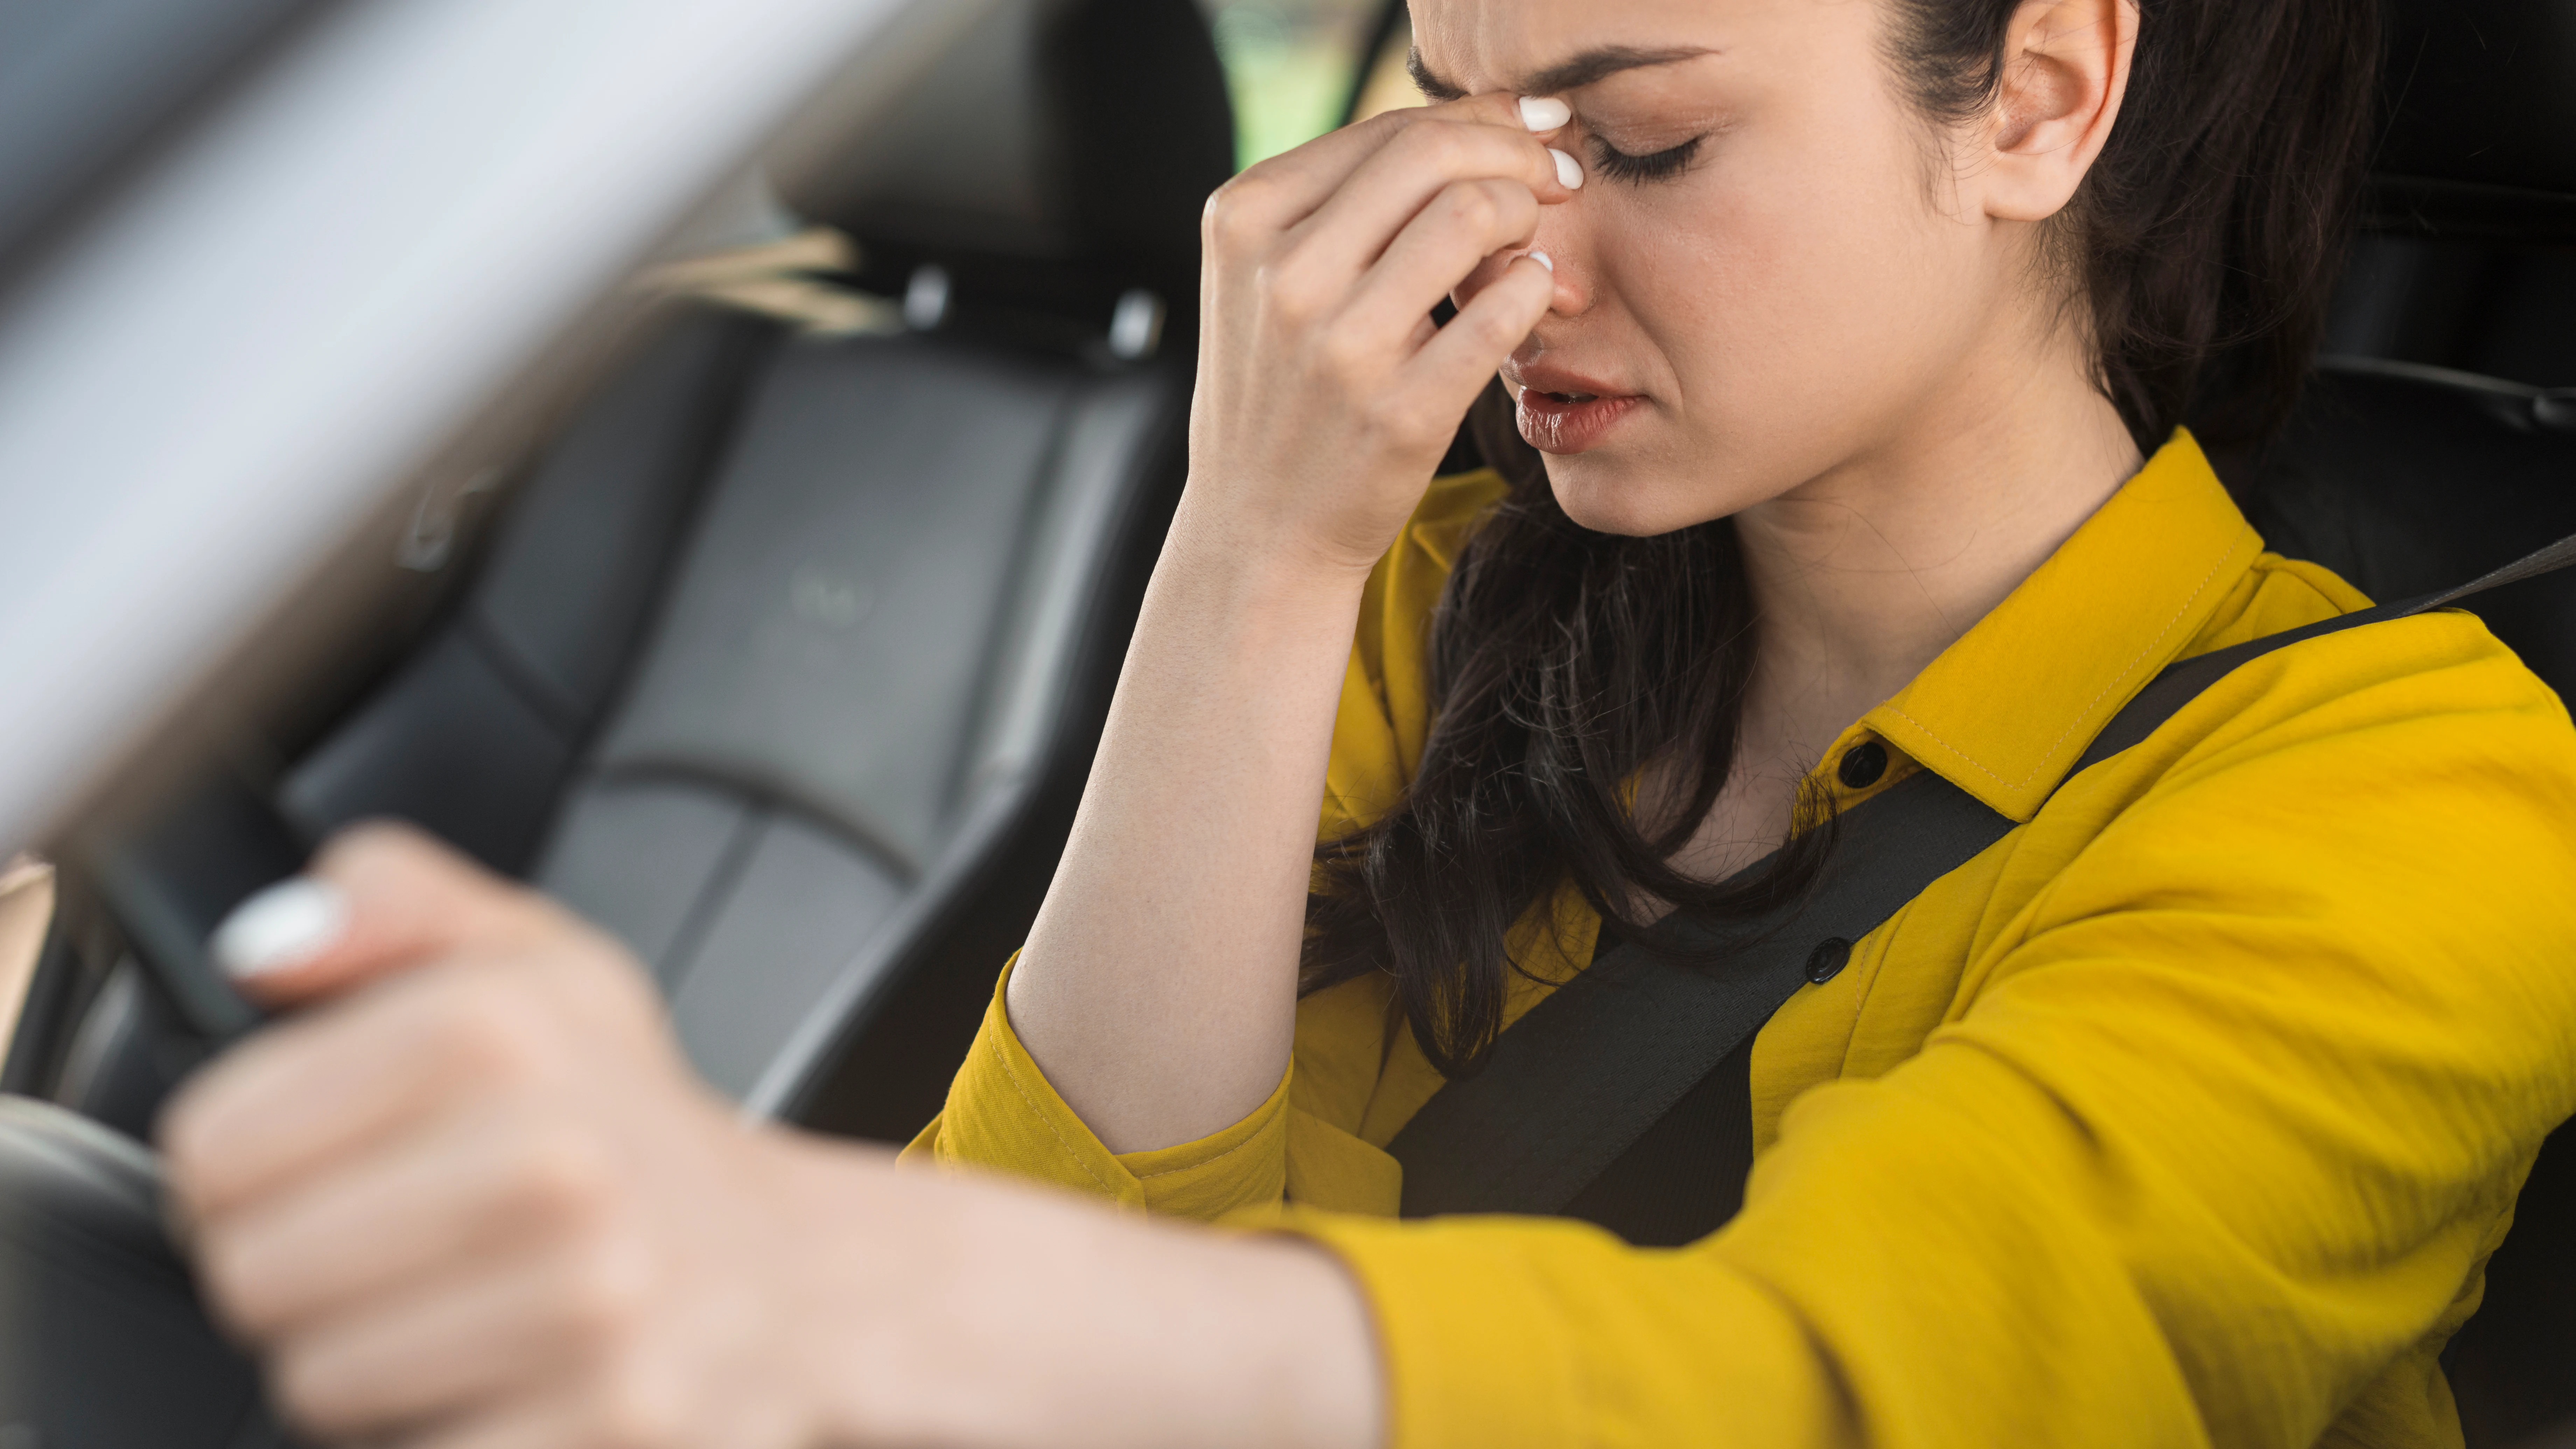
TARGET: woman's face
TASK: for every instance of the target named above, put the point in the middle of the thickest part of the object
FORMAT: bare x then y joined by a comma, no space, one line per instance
1775,272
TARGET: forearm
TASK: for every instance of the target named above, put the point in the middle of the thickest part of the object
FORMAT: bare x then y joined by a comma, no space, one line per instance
1158,986
1030,1318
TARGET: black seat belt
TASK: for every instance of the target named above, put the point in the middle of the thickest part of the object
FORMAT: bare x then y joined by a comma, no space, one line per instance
1575,1082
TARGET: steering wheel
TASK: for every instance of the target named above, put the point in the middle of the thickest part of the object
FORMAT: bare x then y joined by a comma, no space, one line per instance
104,1343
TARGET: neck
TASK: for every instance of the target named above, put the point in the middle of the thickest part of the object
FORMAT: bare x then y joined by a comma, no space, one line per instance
1865,574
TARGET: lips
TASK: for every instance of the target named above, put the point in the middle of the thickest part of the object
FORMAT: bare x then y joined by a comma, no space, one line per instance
1561,412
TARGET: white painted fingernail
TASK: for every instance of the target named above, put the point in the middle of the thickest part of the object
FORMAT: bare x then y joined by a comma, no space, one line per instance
289,922
1543,259
1569,172
1544,113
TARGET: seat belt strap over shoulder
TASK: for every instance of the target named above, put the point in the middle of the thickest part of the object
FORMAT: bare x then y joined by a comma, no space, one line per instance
1573,1084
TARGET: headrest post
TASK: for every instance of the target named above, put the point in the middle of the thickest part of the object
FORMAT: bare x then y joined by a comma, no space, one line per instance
1136,326
925,298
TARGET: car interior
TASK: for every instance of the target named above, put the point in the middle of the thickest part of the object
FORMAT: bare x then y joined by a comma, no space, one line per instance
783,658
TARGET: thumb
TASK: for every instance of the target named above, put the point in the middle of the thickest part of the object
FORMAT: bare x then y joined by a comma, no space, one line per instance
378,899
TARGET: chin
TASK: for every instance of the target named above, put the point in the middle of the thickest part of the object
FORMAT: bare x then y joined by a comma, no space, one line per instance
1607,495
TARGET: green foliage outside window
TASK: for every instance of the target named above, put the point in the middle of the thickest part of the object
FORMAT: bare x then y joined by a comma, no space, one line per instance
1290,65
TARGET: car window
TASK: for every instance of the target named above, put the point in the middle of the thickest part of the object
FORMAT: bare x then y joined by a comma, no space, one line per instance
1387,85
1291,65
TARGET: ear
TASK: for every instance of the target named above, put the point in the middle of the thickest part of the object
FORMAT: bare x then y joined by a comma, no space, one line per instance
2066,66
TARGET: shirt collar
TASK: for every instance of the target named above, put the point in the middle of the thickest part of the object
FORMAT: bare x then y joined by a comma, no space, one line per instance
2006,710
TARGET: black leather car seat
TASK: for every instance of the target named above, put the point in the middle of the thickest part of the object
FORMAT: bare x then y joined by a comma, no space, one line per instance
785,662
2438,441
782,642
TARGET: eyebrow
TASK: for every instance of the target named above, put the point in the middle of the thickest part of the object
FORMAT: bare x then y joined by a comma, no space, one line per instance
1582,70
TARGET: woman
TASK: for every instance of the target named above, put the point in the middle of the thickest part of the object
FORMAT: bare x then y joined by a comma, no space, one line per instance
1855,336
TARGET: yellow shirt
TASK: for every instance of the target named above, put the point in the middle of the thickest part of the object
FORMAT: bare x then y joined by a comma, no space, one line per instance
2186,1113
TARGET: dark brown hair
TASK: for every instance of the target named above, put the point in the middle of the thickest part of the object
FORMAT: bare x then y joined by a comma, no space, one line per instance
1566,664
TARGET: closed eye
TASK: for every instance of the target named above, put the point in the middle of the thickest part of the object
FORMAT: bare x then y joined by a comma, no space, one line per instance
1653,166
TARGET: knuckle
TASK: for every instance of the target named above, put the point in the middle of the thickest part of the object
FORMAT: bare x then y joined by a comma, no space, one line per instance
1259,178
1439,145
1344,351
230,1270
205,1131
479,1033
629,1408
1289,290
1391,123
1392,419
313,1392
1216,218
585,974
1515,205
192,1166
1473,206
561,1180
1414,414
1490,329
1229,220
601,1295
1409,430
185,1136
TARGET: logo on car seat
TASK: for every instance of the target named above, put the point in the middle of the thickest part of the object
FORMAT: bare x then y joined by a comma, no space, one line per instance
832,603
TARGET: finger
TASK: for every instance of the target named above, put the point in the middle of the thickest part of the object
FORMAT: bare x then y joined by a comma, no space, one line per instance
476,1184
306,1092
544,1421
1349,231
647,1414
379,897
1462,357
1462,226
466,1340
1278,193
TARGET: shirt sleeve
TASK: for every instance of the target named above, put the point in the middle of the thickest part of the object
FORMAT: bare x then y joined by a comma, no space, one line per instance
1001,1113
2233,1120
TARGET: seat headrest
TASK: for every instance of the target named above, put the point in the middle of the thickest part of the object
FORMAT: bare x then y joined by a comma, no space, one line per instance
1063,133
2481,137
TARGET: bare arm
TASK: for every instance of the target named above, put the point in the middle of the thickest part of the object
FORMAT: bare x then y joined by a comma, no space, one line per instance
1158,987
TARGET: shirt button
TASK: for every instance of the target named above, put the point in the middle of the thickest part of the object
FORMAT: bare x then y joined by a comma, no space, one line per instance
1826,961
1862,764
